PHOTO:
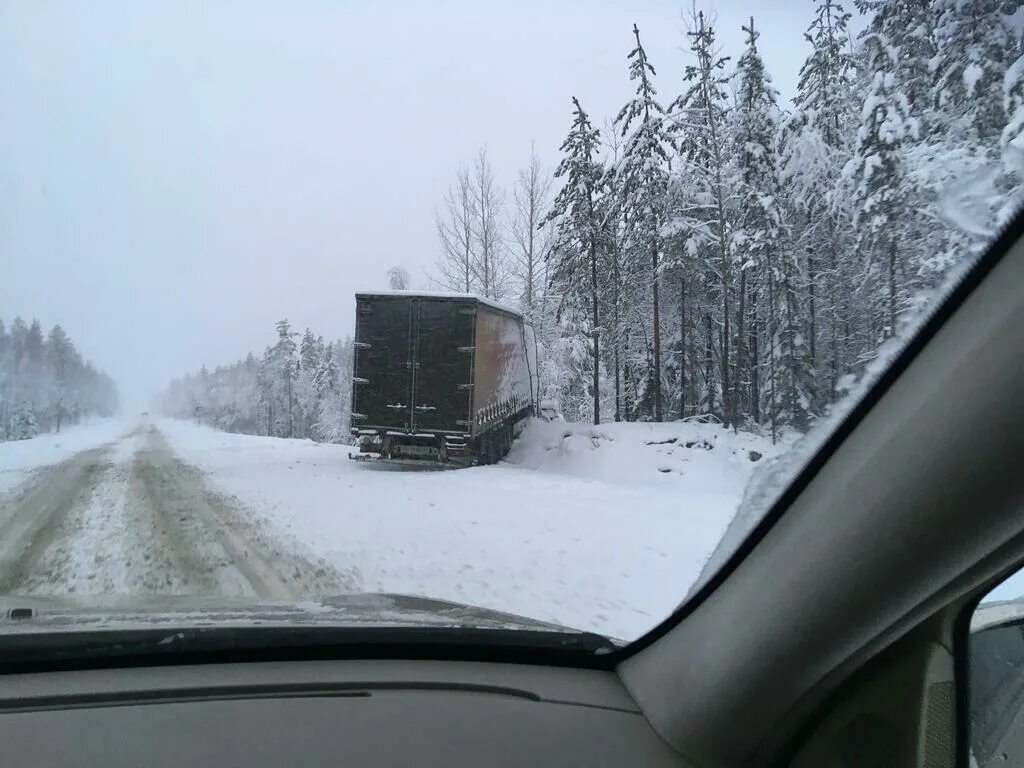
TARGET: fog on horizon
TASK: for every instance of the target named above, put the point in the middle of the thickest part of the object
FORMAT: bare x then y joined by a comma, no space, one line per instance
178,177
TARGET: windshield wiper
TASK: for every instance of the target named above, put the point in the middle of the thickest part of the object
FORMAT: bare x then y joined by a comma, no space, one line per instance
29,651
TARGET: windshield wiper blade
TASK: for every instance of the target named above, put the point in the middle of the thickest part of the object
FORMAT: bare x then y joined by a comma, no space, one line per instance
184,644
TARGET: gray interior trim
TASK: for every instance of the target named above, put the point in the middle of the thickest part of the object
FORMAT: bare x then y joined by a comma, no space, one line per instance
557,685
871,548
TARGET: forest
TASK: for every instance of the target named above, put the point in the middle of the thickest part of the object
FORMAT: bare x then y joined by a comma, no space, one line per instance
45,384
709,251
297,388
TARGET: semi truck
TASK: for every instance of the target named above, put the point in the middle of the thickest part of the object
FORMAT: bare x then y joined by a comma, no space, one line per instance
442,379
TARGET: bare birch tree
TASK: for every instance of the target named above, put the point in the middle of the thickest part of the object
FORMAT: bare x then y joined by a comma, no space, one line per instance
454,268
530,233
490,265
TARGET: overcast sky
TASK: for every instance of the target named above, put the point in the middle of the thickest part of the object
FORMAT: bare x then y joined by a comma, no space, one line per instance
177,176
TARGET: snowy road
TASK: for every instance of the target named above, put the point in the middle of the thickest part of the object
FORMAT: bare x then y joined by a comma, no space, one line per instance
598,528
129,517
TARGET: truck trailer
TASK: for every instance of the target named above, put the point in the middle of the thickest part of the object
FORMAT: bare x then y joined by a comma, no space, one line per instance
440,378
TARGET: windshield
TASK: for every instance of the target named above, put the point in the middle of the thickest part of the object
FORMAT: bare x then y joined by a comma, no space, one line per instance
516,317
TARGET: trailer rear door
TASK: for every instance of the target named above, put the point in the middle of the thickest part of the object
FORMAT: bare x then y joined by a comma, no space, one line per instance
382,391
442,380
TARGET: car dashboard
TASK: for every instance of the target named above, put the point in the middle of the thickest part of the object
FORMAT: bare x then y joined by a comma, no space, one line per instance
326,713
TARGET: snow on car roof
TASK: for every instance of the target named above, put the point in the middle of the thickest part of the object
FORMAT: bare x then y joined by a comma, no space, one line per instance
443,295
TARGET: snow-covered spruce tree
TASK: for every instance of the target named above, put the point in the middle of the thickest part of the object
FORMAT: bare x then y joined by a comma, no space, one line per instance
6,377
573,262
643,174
61,354
826,82
757,232
613,290
306,396
24,425
44,382
815,144
880,188
334,385
974,50
703,205
909,27
1012,138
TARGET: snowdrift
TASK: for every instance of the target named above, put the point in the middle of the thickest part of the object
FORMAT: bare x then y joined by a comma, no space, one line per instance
598,528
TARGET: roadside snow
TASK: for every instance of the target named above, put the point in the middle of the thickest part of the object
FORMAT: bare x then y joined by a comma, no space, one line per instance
597,528
20,457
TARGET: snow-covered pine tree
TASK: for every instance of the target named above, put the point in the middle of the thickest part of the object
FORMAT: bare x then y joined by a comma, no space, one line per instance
6,378
825,90
815,144
758,229
909,27
643,174
615,293
575,255
286,368
24,425
306,398
60,352
974,50
703,204
1012,138
880,187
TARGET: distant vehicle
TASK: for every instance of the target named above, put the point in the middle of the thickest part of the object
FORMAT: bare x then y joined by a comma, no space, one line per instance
440,378
145,413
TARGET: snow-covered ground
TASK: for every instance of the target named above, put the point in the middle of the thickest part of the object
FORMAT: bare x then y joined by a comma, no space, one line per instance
598,528
19,458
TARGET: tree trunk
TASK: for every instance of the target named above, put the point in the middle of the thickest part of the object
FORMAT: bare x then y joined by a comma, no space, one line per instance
892,287
812,320
618,345
617,330
627,377
755,362
726,381
709,364
834,286
657,332
727,392
596,331
739,399
682,347
772,394
291,408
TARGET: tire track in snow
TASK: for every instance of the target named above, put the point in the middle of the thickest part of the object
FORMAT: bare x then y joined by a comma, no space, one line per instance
132,519
206,543
38,526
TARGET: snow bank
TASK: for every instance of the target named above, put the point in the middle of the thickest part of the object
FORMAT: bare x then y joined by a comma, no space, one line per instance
20,457
595,528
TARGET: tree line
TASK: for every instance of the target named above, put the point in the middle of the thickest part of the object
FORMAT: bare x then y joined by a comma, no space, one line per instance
300,387
45,384
718,254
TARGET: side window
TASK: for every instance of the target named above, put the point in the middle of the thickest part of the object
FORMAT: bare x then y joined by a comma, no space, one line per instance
996,677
